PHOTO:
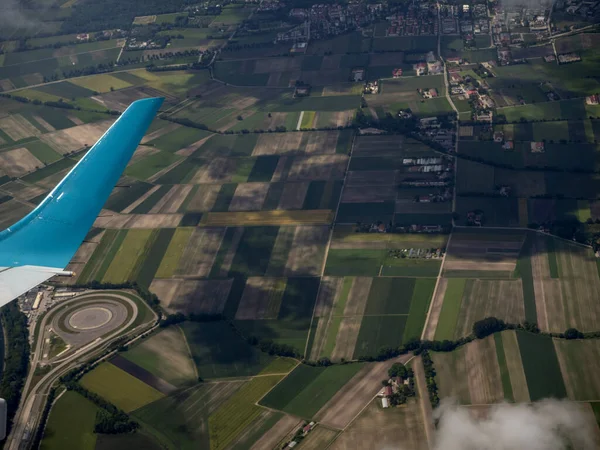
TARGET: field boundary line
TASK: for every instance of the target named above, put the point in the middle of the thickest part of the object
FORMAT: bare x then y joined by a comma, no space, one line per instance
56,57
187,345
526,229
299,124
437,283
329,243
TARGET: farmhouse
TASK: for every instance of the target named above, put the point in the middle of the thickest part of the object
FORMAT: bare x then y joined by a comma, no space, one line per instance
537,147
568,58
593,99
420,68
357,75
454,60
498,136
508,145
396,73
435,68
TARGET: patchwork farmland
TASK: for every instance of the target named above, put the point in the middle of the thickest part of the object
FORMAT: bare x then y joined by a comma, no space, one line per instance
273,226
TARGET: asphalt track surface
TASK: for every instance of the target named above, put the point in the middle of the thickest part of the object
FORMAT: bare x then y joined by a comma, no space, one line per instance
27,417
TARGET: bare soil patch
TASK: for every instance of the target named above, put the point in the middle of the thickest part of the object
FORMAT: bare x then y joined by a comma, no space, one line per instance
348,402
249,197
17,127
205,198
140,200
357,298
435,310
171,202
18,162
278,144
75,138
219,170
369,194
483,371
271,438
321,142
490,298
293,195
199,297
370,178
347,336
200,252
308,251
228,259
261,298
321,167
328,292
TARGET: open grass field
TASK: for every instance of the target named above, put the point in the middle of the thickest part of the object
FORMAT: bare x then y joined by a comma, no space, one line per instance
470,373
218,351
233,416
128,259
171,258
119,388
265,218
165,355
105,251
450,309
71,424
304,391
151,165
541,366
386,427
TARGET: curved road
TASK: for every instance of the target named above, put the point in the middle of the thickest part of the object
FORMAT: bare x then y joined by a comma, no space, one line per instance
26,414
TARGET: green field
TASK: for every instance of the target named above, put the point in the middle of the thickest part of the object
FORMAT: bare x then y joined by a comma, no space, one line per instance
151,200
379,332
218,351
165,355
390,296
119,388
450,309
152,261
524,270
150,165
172,255
504,373
419,305
105,252
124,197
411,267
304,391
238,411
49,170
43,152
346,262
178,139
541,366
129,258
71,424
254,251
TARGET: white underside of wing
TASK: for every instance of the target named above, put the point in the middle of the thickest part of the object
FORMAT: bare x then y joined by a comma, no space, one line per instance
15,281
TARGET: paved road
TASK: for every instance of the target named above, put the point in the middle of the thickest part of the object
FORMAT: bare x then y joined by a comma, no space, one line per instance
27,416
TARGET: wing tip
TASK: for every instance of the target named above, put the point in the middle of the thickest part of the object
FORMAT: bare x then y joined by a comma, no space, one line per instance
156,101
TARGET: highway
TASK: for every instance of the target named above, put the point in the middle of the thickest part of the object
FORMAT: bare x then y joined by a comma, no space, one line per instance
33,400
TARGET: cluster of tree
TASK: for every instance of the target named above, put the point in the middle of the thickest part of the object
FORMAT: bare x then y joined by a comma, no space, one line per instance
111,14
170,55
400,370
430,379
481,329
110,419
272,348
235,46
107,423
150,298
16,359
153,68
174,319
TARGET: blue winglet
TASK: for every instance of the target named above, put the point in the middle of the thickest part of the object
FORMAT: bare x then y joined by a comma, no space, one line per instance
50,235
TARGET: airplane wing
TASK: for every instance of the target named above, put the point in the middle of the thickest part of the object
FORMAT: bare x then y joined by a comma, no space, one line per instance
41,244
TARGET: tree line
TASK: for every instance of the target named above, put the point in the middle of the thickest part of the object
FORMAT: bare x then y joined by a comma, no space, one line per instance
16,360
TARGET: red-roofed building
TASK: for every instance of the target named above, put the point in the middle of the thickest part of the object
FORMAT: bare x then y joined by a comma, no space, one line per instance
397,73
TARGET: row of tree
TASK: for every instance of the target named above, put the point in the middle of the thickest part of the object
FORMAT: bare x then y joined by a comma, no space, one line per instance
16,359
110,419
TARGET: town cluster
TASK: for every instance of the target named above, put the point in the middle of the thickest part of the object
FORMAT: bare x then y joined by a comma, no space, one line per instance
326,20
418,20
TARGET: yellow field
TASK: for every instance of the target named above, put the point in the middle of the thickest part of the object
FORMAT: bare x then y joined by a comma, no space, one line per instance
308,119
101,83
129,255
118,387
37,95
170,261
277,217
